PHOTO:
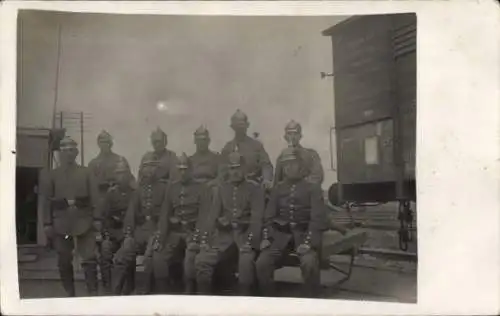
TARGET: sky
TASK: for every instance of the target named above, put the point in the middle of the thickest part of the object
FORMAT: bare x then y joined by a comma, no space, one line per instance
118,68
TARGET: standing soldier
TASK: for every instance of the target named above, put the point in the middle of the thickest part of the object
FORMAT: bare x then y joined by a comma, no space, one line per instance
294,220
102,167
205,162
167,169
235,224
310,158
113,208
258,167
71,218
140,225
183,214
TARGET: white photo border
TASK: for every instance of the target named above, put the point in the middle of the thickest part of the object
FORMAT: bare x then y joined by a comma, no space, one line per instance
458,115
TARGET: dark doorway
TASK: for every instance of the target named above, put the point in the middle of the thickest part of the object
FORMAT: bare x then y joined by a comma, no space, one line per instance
26,205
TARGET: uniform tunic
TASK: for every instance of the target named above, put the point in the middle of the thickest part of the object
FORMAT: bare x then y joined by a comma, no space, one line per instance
312,163
205,166
234,221
168,164
103,167
258,166
182,217
295,216
66,183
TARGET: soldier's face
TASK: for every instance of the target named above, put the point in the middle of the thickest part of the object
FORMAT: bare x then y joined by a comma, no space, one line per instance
293,138
292,169
240,126
159,143
185,174
202,143
68,155
104,145
236,174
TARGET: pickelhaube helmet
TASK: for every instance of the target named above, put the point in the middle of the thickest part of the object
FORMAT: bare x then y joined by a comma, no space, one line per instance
202,132
293,126
289,154
239,116
183,161
104,136
158,133
67,143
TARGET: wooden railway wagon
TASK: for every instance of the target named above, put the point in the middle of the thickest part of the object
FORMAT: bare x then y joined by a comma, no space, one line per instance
374,81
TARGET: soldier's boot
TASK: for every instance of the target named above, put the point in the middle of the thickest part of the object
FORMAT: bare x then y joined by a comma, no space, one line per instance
162,285
106,279
309,266
244,290
105,264
204,288
129,286
190,286
149,281
66,272
90,272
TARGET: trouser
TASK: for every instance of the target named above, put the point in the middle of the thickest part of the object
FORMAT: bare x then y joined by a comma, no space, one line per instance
225,250
269,260
86,249
109,246
174,251
124,269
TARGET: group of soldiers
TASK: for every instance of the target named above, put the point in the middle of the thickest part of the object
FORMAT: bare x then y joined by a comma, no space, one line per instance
202,212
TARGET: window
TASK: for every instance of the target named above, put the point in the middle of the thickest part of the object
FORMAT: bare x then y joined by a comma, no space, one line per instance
371,150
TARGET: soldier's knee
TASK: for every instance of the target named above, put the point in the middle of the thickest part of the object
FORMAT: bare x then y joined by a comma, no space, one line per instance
309,261
264,261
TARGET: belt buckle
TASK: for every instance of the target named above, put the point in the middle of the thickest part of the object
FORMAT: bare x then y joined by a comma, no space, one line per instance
293,225
234,225
148,217
184,223
71,202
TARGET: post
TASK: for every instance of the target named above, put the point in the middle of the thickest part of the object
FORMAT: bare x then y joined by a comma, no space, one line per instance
81,139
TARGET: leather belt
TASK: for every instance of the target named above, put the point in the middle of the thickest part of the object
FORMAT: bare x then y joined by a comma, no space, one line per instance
289,227
80,202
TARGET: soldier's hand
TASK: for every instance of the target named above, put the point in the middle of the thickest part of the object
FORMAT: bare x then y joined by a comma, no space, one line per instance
265,244
49,231
303,249
156,242
246,248
98,237
267,184
192,246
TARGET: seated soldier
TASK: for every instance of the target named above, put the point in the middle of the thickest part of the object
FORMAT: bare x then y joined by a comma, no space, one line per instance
234,225
113,207
293,221
140,225
183,212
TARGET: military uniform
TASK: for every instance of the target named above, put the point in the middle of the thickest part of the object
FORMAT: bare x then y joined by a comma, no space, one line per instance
141,221
294,221
234,223
70,211
167,159
113,208
258,166
185,207
313,170
102,167
205,164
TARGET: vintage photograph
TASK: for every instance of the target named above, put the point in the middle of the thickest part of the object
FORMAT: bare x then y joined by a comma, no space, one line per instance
265,156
